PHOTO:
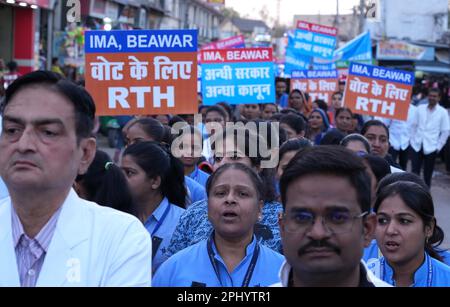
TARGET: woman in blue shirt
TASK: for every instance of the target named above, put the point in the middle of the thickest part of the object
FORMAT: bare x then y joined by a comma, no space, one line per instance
194,227
407,235
156,181
231,256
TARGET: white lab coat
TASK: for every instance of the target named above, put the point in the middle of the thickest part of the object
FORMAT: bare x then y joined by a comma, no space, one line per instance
91,246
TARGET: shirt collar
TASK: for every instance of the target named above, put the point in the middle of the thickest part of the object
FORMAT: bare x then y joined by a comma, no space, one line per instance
44,236
420,276
366,279
159,211
248,251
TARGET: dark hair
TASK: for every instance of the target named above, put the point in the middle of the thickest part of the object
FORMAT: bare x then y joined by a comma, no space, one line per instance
251,142
374,122
218,109
401,176
332,137
105,184
176,119
264,105
340,110
420,201
356,137
321,104
282,135
256,180
329,160
276,117
267,128
337,93
80,99
435,90
227,108
379,166
12,65
156,160
54,60
291,145
296,122
151,127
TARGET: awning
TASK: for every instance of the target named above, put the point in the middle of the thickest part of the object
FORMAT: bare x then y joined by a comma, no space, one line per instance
134,3
443,56
432,67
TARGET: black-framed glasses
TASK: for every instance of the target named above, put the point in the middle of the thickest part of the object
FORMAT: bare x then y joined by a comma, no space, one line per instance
335,221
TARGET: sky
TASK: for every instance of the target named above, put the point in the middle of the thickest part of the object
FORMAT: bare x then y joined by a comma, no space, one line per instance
289,8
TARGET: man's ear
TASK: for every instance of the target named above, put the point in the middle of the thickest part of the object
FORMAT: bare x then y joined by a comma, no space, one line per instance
88,147
369,224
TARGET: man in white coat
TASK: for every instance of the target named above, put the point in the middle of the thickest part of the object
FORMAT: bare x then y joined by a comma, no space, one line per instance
48,235
429,132
3,189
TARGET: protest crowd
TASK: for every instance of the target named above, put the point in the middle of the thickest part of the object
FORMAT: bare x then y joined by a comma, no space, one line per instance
249,180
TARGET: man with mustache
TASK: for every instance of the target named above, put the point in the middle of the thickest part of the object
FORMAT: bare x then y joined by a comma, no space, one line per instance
326,223
48,235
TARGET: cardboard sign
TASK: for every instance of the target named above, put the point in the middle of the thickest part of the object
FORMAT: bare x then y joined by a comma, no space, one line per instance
142,71
378,91
313,40
231,42
238,76
319,84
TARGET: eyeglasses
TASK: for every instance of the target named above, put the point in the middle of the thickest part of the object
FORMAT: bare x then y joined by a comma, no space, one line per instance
335,221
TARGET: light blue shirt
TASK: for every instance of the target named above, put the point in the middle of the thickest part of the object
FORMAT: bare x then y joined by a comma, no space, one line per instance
283,102
432,273
199,176
373,252
196,191
166,215
193,266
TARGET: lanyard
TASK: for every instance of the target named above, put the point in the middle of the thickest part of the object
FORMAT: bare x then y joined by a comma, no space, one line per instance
430,269
251,267
161,220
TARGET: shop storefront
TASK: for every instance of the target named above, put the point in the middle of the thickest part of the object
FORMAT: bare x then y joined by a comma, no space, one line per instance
23,39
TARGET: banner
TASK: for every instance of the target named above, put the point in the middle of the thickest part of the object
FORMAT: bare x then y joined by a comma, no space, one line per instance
238,76
398,50
378,91
142,71
231,42
319,84
296,61
357,50
313,40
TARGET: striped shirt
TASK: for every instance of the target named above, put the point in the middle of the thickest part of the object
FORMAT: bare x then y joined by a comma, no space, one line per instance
30,253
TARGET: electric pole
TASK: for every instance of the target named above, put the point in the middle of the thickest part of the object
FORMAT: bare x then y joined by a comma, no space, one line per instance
278,13
361,15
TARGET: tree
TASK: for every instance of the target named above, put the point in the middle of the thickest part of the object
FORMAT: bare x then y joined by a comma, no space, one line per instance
230,13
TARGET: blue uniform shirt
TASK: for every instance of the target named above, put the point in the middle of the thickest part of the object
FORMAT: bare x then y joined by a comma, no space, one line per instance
164,220
194,226
432,273
200,176
373,252
196,191
192,267
283,102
